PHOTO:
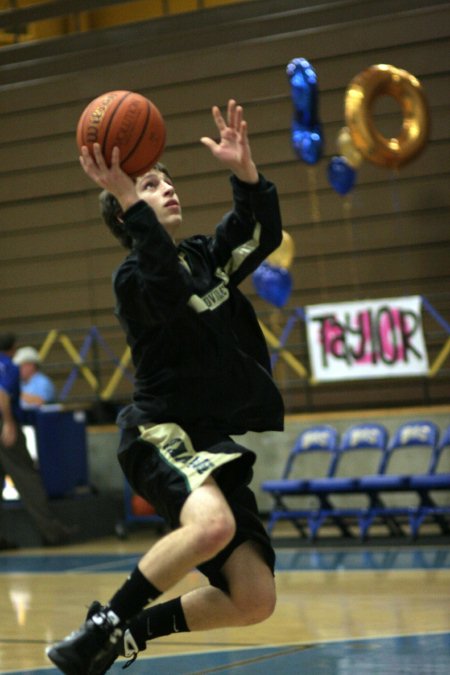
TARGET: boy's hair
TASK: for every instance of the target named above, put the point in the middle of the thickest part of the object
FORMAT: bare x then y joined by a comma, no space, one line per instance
112,212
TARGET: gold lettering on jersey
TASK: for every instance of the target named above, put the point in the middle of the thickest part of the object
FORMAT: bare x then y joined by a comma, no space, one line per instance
175,447
217,296
209,302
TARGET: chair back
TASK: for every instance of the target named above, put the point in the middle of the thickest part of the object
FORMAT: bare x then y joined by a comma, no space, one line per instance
413,436
319,439
441,459
367,440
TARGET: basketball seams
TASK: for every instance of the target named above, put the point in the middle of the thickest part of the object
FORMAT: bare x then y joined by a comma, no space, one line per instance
157,154
119,103
141,135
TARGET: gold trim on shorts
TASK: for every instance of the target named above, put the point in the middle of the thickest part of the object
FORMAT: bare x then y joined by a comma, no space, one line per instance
176,449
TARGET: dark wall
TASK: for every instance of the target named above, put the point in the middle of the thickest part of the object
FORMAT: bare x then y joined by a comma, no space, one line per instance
389,237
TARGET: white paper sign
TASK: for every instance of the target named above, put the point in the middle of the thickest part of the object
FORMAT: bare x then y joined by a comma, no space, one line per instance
366,339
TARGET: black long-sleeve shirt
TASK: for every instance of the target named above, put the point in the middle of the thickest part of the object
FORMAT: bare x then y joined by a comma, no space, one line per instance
200,357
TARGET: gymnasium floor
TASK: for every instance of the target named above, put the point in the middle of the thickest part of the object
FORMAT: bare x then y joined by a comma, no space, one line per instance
348,611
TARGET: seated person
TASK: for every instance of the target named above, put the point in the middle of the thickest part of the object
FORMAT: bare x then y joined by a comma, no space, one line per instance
35,387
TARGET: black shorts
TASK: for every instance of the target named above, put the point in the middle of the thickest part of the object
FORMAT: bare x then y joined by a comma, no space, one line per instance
164,464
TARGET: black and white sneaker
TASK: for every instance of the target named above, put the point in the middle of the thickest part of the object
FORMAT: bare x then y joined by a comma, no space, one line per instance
126,645
85,651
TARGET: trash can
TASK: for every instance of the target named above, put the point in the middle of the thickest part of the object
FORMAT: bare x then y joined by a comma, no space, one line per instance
61,448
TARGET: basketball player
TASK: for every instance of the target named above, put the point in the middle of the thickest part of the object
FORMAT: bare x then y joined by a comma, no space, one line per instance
202,373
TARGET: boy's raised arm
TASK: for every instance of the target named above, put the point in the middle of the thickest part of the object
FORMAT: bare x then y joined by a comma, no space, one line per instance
233,148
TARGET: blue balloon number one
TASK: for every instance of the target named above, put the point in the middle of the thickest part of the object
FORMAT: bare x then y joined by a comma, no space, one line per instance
306,130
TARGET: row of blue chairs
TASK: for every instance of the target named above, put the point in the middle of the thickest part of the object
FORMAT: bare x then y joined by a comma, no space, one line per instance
418,444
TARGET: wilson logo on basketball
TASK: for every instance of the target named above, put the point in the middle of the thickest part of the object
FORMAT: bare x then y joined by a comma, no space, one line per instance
96,118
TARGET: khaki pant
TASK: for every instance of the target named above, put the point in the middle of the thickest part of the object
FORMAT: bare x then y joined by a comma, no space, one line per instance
16,462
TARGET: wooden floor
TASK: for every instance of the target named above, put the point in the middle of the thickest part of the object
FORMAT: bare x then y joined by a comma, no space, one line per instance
340,610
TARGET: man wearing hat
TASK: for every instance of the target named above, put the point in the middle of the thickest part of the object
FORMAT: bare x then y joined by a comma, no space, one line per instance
15,460
35,387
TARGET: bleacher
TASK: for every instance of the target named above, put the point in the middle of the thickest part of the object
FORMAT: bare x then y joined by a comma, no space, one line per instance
381,489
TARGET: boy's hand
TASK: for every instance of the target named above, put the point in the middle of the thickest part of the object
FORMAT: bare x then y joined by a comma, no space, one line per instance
110,178
233,149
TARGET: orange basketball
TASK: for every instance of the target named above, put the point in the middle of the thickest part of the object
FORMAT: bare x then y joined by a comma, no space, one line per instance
141,507
128,120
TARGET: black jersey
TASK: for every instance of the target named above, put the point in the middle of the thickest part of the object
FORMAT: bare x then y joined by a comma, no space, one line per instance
200,358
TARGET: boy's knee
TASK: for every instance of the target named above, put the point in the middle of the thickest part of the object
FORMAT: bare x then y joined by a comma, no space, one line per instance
254,597
215,534
259,606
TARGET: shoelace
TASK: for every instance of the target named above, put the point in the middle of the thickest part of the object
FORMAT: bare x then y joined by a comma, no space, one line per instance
98,607
130,661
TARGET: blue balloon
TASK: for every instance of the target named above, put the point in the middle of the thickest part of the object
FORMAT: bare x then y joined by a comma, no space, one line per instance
273,284
341,175
304,85
308,145
306,130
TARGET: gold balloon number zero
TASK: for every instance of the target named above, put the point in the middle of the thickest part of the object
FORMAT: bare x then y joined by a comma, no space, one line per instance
361,94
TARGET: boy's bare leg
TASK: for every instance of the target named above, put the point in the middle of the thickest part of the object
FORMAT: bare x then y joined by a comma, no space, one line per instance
251,598
207,526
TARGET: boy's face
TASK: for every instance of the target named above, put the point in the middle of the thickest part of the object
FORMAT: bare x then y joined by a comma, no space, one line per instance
158,191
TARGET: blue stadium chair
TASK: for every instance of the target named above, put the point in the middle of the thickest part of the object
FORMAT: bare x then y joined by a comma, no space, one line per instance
418,434
368,439
416,440
317,440
437,479
440,463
